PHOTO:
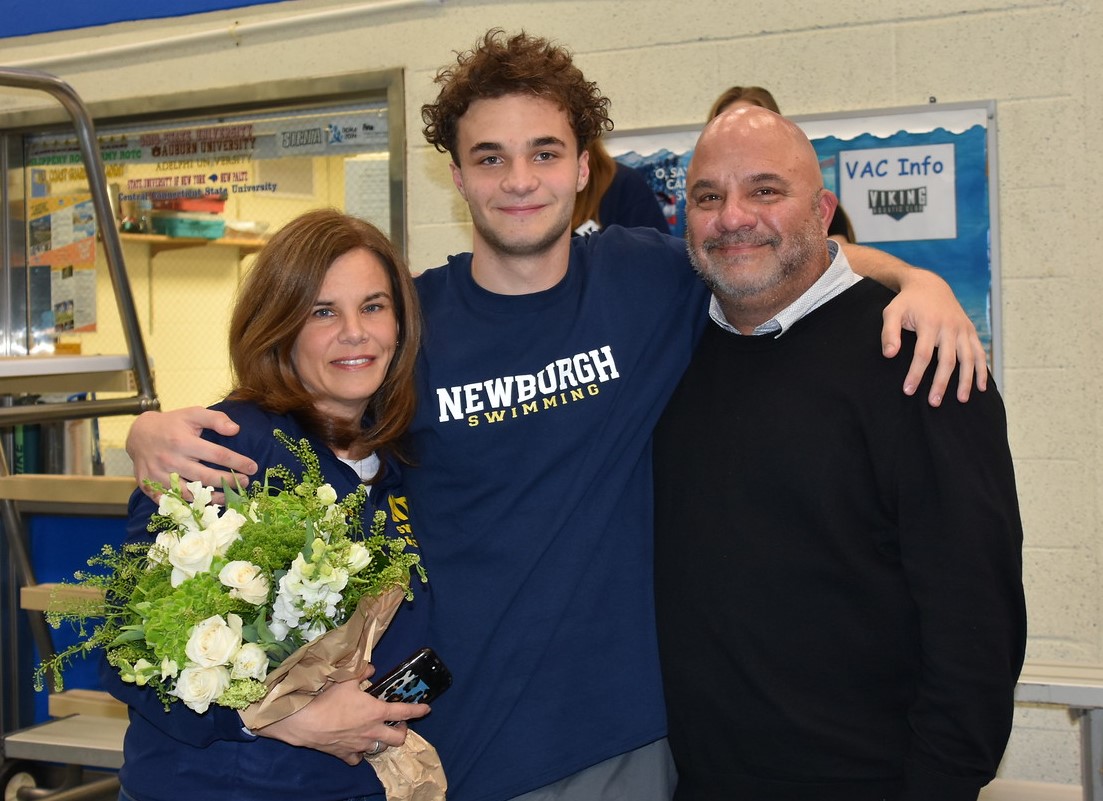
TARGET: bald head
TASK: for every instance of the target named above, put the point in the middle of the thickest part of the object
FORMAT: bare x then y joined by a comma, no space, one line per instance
743,133
756,213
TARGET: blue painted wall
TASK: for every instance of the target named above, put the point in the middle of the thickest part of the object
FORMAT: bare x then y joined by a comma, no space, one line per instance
20,18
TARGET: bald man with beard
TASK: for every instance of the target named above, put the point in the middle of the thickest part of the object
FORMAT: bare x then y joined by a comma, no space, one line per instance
838,566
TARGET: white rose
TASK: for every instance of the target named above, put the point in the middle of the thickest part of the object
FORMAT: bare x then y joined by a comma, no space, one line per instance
199,686
246,581
214,641
191,555
326,494
225,530
359,557
250,662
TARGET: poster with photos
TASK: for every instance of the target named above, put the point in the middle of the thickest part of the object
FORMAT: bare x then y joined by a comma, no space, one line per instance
62,234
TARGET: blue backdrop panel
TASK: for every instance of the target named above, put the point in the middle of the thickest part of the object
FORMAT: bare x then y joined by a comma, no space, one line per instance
20,18
964,261
60,546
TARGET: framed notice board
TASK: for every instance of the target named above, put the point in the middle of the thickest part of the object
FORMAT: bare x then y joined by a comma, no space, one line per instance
918,182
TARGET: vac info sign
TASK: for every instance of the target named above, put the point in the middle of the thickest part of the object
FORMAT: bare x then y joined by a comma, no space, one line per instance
896,194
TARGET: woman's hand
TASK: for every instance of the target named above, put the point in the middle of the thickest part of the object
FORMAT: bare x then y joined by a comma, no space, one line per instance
161,443
346,722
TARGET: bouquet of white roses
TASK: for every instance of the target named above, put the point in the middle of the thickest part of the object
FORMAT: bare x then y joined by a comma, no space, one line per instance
207,612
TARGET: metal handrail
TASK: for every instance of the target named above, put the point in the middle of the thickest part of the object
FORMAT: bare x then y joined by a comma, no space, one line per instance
145,399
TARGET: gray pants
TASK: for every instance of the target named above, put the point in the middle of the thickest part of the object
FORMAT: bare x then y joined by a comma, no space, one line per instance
646,774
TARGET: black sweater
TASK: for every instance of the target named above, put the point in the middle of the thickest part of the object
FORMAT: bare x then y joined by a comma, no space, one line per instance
838,570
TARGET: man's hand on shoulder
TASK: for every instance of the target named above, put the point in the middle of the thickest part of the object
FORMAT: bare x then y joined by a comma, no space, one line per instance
926,305
161,443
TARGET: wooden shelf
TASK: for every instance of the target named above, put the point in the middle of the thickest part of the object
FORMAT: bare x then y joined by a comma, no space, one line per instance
64,489
66,373
159,242
48,597
86,702
90,740
51,493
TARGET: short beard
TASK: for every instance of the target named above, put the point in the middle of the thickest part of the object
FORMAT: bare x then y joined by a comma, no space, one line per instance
802,248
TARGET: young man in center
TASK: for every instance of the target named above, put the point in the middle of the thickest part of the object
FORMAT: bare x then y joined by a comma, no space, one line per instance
546,362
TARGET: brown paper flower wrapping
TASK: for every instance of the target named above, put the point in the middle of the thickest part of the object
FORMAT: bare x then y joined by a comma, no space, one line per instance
411,772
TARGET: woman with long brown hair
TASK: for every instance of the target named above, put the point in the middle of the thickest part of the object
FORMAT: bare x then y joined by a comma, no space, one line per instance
323,340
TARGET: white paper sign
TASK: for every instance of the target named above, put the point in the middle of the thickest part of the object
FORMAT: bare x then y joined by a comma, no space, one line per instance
900,193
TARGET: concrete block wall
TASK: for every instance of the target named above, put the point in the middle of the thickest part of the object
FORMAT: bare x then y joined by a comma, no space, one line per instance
663,64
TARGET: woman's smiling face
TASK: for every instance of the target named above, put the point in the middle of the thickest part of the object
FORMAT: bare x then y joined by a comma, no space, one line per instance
348,340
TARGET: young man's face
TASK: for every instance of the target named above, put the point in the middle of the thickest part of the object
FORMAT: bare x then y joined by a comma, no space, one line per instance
519,171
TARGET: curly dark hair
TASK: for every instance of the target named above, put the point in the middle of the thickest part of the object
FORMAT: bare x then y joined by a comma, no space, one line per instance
520,64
